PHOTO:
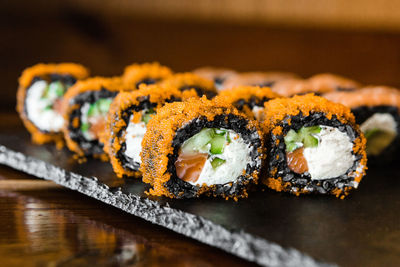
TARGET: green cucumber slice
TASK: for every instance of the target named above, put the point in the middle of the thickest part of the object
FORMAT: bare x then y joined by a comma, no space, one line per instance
147,115
104,105
310,141
217,144
216,162
219,132
85,127
370,133
56,88
93,110
198,141
304,137
290,147
292,136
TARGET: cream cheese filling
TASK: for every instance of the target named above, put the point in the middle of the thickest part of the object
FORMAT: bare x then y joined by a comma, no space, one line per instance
133,140
381,121
236,155
43,118
332,157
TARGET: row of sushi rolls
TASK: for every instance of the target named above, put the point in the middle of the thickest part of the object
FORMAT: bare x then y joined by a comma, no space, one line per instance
215,131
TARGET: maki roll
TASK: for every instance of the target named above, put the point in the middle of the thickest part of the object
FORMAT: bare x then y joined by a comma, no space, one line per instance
85,108
129,114
147,73
200,147
262,79
40,93
317,84
377,111
314,146
189,81
218,75
248,99
326,82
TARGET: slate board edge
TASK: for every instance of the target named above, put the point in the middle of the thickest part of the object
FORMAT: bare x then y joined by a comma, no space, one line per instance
241,244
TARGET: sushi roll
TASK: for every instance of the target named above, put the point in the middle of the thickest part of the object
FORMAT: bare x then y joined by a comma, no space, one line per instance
248,99
314,145
40,93
218,75
200,147
262,79
189,81
317,84
85,109
326,82
147,73
129,114
377,111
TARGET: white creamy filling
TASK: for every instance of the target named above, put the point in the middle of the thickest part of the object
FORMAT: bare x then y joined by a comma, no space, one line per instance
333,155
88,135
133,140
236,155
44,119
257,111
381,121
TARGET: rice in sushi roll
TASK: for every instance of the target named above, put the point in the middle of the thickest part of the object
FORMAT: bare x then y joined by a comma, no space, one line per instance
147,73
377,110
201,147
85,108
128,116
248,99
40,93
314,146
189,81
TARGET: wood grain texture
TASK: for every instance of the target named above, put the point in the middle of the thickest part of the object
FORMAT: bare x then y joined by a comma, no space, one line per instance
59,227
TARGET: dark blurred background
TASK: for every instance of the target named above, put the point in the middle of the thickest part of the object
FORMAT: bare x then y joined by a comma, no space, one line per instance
358,38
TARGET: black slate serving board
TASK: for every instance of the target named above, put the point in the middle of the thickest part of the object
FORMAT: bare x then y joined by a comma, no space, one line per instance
269,228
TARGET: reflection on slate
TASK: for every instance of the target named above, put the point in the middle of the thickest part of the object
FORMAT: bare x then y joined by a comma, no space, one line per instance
363,229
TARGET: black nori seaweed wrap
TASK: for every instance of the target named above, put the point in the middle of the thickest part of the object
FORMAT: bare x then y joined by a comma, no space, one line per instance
177,122
87,92
283,115
370,101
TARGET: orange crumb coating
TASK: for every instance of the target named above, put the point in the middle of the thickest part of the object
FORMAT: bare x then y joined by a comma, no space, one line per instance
277,110
157,141
326,82
188,80
113,84
246,93
319,84
256,78
155,94
76,70
368,96
135,73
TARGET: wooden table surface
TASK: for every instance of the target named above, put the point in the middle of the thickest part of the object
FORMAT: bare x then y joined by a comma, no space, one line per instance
44,224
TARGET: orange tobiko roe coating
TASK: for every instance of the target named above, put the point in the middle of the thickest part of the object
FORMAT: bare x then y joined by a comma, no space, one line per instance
113,84
368,96
76,70
256,78
212,73
277,110
319,84
189,79
157,141
137,72
246,93
156,94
